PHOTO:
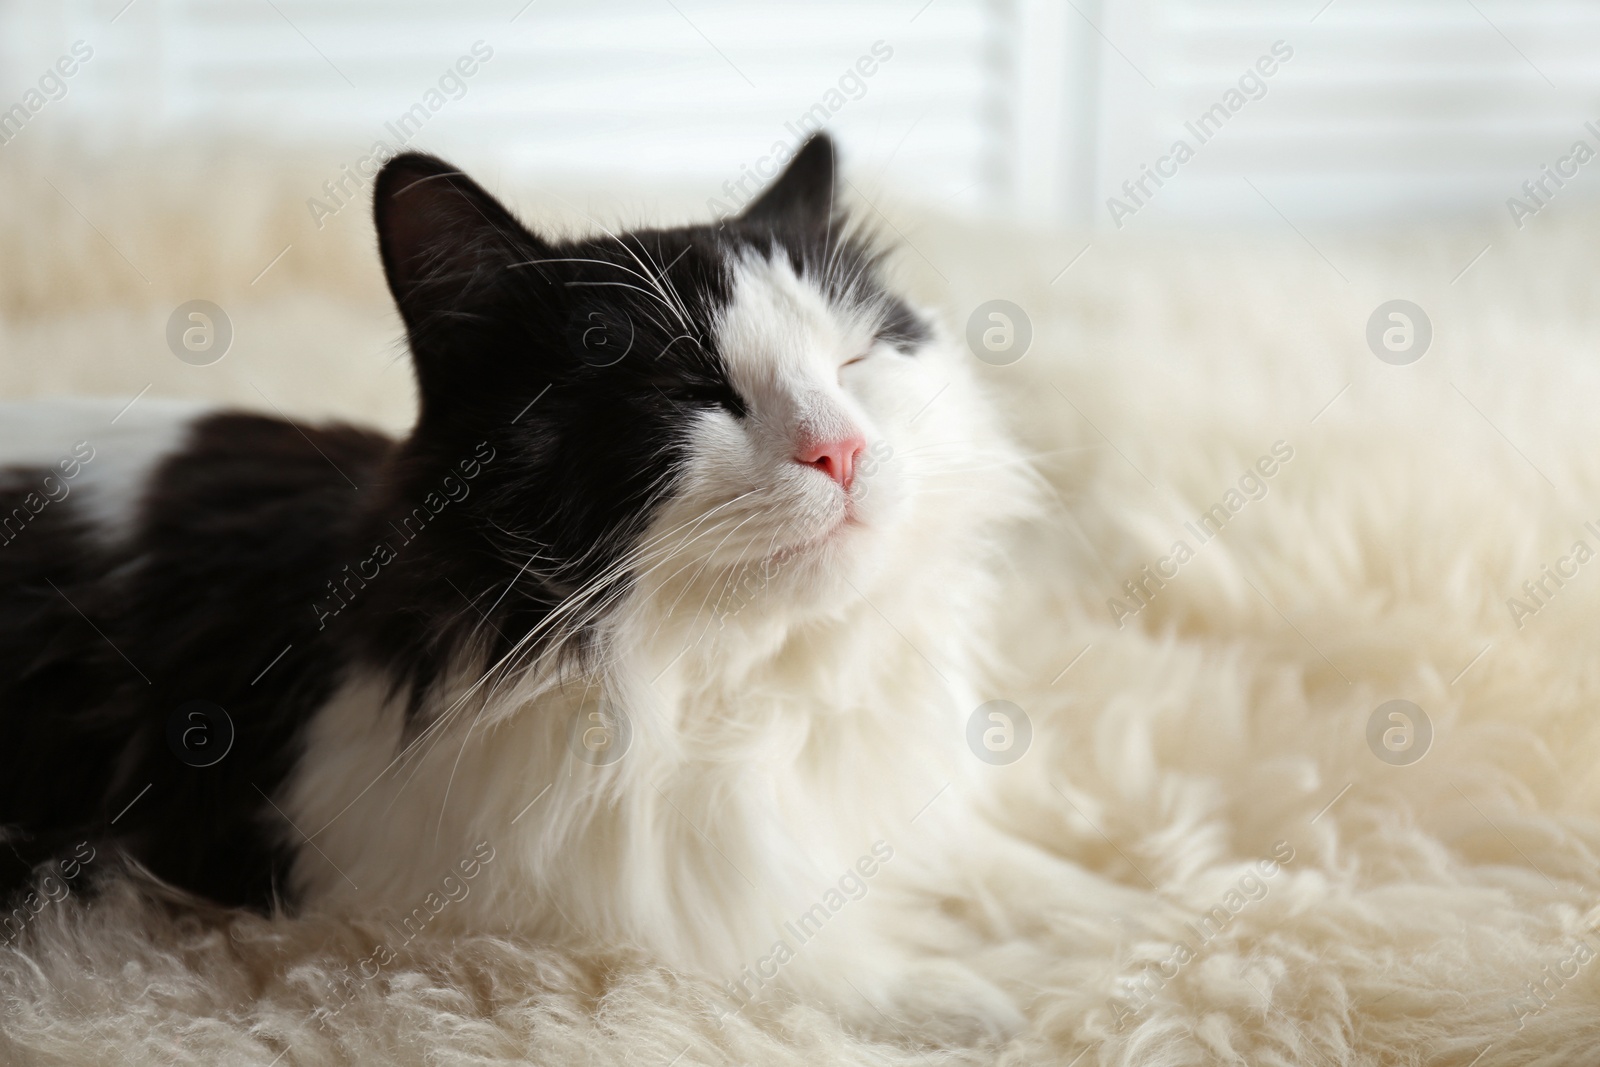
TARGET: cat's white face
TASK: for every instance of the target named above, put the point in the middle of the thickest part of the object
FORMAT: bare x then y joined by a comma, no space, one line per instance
763,519
773,436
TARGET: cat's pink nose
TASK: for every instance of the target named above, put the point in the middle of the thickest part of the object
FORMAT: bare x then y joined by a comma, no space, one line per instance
835,457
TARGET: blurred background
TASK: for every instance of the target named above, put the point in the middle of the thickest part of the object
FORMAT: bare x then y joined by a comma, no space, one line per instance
1038,109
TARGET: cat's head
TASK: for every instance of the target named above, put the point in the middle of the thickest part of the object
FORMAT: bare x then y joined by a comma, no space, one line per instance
724,422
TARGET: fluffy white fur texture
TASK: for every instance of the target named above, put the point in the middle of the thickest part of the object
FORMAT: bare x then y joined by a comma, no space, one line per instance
1169,755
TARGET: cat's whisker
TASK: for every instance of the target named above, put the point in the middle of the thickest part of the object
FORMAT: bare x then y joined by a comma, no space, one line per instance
664,327
617,567
688,585
640,576
681,312
632,559
671,608
582,259
659,296
663,280
998,463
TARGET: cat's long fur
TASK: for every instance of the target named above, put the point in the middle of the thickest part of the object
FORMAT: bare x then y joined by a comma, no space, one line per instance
590,631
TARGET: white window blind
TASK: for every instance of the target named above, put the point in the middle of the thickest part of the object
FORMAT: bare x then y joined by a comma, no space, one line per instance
1040,109
1385,110
677,90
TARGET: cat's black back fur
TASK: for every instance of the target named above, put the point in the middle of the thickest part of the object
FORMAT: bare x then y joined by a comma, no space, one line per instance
101,645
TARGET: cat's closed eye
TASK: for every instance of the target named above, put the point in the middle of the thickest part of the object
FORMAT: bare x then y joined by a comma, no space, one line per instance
707,394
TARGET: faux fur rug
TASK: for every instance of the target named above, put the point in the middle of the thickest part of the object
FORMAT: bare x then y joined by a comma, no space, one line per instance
1432,890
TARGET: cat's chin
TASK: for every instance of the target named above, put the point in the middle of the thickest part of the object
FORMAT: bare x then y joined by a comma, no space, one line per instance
830,540
822,571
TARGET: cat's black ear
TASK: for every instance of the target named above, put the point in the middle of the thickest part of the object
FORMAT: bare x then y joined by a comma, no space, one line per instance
443,239
803,193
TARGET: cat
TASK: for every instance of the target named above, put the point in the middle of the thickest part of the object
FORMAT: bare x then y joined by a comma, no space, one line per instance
660,631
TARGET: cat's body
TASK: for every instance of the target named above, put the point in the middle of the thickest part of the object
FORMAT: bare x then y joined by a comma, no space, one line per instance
663,622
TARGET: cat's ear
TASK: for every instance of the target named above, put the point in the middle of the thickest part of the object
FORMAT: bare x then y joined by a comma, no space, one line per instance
443,238
803,194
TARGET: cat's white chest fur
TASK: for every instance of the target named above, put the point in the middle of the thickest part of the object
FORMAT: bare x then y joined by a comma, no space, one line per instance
698,800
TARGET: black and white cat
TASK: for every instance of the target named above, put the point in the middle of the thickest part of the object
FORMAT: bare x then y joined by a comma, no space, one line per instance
664,621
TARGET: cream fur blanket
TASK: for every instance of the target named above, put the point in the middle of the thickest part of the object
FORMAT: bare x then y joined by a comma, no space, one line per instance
1442,911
